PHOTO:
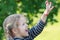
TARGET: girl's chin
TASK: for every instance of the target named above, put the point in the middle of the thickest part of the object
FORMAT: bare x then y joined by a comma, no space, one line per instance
27,35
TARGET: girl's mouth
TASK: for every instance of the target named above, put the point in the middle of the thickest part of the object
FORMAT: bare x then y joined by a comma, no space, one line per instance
26,30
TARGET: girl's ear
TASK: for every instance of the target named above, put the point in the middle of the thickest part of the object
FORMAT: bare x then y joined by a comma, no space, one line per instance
14,30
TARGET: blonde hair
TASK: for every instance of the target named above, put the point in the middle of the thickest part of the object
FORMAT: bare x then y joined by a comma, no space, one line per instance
9,23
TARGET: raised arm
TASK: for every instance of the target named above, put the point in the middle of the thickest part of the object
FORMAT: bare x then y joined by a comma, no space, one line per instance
49,7
39,27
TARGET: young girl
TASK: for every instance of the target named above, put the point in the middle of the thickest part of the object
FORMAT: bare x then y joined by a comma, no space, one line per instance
16,28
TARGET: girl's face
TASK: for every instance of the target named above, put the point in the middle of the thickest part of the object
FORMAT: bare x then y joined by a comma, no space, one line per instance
23,27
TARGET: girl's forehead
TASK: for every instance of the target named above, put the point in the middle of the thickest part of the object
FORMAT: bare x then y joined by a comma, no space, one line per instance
23,19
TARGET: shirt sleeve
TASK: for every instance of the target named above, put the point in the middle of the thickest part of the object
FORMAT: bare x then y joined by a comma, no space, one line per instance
36,30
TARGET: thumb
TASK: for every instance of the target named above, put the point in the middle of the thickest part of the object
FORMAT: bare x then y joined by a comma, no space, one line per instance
51,8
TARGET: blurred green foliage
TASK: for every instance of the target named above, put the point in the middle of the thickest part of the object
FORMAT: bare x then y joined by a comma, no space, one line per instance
29,7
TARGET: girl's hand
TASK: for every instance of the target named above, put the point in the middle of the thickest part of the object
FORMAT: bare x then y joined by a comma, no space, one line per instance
49,7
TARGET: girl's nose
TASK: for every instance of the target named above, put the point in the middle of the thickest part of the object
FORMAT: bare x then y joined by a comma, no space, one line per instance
27,25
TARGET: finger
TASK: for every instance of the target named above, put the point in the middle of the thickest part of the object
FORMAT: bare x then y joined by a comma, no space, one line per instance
47,3
50,4
47,0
